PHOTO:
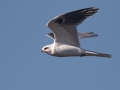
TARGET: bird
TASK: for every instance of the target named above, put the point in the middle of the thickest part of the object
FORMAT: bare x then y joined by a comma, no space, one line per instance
66,37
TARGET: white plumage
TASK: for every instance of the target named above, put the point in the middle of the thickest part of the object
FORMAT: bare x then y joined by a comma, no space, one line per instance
65,35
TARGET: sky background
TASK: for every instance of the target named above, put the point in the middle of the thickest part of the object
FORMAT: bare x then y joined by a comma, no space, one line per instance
23,33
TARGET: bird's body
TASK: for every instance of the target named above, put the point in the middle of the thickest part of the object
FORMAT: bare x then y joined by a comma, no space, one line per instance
65,35
65,50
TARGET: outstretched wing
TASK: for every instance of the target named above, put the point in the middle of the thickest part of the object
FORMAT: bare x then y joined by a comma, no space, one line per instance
86,35
81,35
64,26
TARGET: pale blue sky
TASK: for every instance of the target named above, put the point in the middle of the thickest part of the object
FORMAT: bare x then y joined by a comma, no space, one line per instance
23,33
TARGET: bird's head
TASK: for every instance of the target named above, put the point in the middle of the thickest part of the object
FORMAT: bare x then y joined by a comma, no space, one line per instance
46,49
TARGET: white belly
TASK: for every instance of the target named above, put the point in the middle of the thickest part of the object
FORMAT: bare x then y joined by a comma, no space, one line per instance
66,50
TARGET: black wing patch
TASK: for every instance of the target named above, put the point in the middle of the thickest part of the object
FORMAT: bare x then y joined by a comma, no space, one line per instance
59,20
76,17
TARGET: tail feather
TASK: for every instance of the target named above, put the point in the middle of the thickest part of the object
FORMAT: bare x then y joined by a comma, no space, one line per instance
91,53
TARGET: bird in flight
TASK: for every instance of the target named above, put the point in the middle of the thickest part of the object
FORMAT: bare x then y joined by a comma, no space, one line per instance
65,35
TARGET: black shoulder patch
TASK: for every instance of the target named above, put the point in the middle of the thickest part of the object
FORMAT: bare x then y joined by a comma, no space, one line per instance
59,20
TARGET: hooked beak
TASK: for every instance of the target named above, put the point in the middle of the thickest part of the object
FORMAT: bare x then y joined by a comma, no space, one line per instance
41,51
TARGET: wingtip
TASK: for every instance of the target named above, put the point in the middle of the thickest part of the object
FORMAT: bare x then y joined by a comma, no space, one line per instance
109,56
95,35
95,9
92,8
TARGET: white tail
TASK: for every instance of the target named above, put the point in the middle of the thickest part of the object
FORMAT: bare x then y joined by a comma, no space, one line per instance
91,53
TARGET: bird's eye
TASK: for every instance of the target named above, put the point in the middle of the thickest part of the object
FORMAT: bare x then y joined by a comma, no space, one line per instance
45,48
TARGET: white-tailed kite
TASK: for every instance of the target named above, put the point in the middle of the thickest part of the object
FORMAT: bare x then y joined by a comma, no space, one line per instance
65,35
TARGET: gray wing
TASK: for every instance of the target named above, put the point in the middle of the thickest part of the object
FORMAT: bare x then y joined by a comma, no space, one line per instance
86,35
81,35
76,17
51,35
64,26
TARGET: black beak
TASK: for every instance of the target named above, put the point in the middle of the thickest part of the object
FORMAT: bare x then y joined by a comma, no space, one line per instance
41,51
